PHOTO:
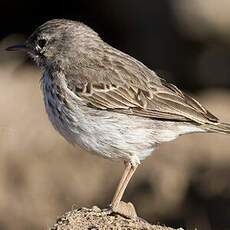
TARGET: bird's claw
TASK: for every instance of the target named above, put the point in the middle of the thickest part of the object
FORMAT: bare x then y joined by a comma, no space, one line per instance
125,209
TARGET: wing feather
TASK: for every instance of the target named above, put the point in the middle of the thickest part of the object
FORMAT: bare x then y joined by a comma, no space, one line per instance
123,84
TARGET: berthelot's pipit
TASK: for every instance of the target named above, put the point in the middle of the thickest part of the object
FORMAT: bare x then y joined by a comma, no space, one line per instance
108,102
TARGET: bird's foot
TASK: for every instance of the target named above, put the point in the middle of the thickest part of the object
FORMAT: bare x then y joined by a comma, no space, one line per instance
125,209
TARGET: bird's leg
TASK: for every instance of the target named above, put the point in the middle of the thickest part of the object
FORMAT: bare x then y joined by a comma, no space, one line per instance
129,171
121,182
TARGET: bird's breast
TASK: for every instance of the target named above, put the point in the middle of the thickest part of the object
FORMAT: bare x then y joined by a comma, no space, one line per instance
60,108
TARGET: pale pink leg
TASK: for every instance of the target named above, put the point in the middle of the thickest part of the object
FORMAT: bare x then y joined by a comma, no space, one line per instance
127,175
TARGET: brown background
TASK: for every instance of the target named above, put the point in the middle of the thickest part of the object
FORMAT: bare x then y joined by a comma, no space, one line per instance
184,183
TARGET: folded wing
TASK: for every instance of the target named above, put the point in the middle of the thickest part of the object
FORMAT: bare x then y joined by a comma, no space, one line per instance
124,85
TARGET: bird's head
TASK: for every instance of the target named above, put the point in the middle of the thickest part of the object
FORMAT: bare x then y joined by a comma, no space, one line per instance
58,40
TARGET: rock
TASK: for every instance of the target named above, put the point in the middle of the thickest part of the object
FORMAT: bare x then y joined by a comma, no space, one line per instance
101,219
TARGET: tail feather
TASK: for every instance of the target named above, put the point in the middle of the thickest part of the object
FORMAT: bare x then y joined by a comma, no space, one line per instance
223,128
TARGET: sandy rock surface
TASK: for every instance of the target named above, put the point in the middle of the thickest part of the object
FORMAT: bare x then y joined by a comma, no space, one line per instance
98,219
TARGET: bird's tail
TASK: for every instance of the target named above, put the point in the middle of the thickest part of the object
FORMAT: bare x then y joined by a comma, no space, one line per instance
223,128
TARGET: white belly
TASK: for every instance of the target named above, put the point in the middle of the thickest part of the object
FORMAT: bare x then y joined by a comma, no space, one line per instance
111,135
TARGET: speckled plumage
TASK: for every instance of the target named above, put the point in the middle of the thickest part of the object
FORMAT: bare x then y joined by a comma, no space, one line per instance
108,102
114,136
105,100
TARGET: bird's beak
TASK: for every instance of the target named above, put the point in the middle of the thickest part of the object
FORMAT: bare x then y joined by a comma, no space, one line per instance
20,47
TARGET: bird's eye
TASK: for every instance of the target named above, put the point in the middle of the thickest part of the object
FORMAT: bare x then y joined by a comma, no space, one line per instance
41,43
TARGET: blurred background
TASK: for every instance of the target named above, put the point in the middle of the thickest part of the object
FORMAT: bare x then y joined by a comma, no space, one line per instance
184,183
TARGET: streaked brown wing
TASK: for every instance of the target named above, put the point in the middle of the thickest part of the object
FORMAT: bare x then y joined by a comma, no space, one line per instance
165,102
124,85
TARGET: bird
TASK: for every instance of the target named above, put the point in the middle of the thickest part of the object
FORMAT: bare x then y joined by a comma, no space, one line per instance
106,101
